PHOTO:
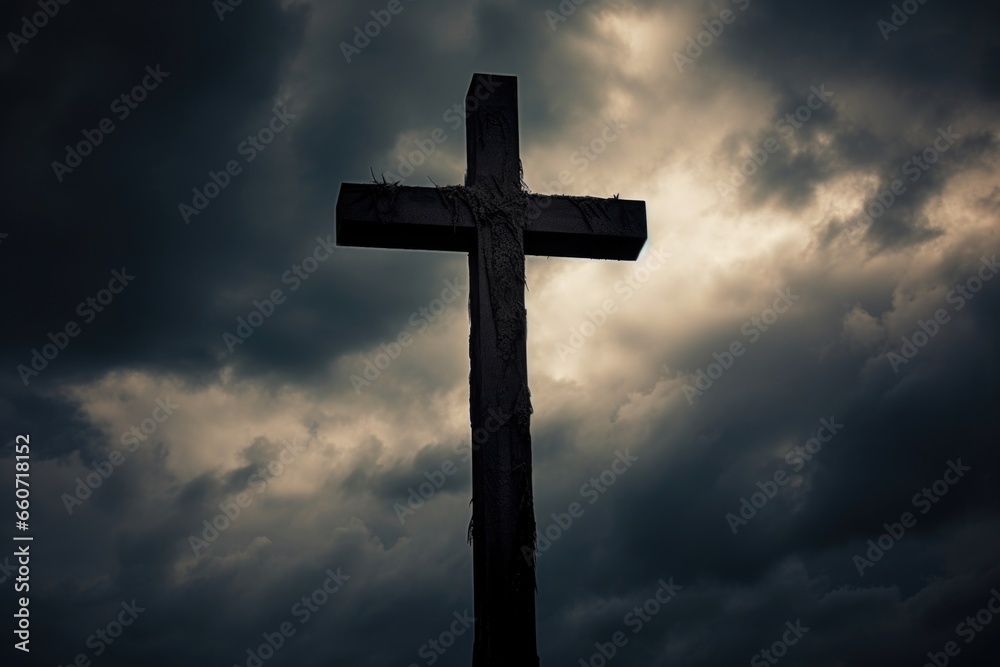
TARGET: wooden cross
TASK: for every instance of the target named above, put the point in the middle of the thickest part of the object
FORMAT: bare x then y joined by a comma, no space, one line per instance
494,219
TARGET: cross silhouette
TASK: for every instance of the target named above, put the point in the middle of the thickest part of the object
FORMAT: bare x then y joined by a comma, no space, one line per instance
497,221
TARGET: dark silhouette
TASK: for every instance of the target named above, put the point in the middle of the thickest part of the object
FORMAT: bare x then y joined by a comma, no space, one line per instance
496,220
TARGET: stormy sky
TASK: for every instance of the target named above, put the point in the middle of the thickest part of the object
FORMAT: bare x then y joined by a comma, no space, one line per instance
770,439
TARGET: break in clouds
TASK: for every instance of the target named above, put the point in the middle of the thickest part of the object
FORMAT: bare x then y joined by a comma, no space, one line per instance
768,440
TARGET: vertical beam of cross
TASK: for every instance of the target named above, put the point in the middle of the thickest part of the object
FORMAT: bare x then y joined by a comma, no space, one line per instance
503,515
495,220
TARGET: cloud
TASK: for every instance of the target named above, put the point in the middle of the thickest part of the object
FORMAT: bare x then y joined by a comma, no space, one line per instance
604,380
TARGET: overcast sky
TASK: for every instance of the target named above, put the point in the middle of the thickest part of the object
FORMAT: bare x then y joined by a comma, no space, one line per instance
781,419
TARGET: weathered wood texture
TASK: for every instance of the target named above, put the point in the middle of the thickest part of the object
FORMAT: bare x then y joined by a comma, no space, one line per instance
495,220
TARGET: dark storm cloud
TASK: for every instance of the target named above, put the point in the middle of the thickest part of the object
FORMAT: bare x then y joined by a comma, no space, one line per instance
663,518
899,435
120,207
792,46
